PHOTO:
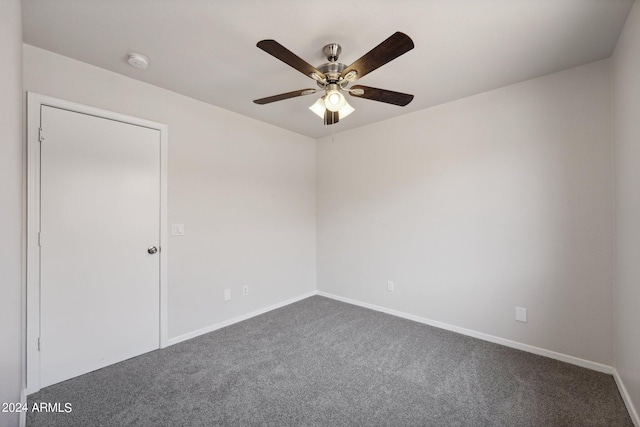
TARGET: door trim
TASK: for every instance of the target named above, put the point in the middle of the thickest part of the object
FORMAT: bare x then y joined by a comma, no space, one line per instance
34,103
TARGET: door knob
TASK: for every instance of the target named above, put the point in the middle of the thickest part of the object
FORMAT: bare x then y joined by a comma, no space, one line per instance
152,250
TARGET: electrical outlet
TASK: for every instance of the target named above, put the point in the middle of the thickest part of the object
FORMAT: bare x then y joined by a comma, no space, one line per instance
521,314
390,286
245,290
227,294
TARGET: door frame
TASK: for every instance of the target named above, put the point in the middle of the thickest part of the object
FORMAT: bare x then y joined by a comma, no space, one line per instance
34,103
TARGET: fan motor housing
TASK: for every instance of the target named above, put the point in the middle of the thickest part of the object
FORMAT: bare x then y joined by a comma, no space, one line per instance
332,70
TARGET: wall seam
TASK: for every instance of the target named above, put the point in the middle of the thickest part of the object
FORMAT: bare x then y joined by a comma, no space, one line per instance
614,224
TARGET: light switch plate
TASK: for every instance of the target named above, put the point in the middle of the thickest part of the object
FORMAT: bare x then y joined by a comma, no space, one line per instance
177,229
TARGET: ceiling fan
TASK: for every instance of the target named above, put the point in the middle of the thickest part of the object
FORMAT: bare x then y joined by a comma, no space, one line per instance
333,77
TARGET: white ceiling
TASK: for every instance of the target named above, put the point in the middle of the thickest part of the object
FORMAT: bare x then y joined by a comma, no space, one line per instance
206,49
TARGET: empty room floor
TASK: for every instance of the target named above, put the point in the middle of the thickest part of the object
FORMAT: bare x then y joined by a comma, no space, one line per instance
320,362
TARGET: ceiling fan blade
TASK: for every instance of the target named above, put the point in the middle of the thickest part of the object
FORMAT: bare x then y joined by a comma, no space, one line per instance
274,48
331,117
396,45
382,95
282,96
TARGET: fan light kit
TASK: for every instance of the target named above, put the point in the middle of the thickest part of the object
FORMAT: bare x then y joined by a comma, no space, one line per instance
333,77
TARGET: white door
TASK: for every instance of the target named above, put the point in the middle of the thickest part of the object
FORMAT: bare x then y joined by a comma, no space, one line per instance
100,212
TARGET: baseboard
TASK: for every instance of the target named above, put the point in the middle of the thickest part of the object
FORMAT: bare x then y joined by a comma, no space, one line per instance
23,414
485,337
211,328
627,399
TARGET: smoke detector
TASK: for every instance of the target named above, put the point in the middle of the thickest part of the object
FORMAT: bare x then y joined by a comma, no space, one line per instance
137,60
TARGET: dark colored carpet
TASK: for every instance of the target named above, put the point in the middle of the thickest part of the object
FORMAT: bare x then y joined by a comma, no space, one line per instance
320,362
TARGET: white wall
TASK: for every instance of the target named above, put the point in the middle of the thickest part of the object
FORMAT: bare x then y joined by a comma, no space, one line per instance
11,202
244,190
477,206
626,130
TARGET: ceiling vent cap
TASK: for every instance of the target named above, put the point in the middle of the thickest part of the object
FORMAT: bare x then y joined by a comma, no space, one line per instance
137,60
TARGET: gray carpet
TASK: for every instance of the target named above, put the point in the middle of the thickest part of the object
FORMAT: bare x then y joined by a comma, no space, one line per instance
320,362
